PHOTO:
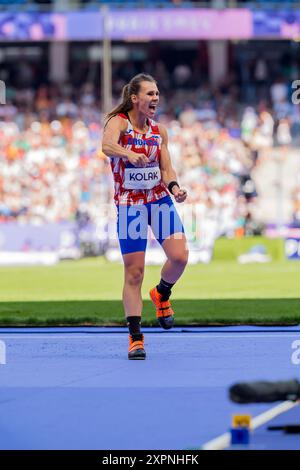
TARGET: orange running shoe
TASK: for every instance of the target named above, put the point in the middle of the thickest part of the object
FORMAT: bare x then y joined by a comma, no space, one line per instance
136,347
164,312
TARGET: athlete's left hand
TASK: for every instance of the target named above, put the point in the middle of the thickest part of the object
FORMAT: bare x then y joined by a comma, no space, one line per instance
179,194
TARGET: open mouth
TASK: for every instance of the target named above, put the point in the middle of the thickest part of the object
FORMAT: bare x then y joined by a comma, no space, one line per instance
153,107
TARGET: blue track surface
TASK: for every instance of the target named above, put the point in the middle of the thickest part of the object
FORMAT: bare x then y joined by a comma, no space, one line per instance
73,388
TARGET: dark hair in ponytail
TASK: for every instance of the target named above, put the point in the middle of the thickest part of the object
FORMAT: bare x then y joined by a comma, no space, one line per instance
132,88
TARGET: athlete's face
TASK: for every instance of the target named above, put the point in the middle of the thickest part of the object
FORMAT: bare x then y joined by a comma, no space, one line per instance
147,98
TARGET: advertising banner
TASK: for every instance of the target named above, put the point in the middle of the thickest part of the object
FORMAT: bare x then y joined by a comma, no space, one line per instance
284,24
29,237
181,24
32,26
152,24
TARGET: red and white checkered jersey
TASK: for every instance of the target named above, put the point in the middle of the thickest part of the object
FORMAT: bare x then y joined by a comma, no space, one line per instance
149,144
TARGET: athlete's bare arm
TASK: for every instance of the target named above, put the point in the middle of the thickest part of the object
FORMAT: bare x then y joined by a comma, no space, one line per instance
113,130
168,173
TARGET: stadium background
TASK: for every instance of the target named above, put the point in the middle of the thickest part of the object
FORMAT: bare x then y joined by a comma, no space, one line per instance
225,71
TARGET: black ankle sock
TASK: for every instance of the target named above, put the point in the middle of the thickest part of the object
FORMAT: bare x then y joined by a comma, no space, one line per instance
134,325
164,288
137,337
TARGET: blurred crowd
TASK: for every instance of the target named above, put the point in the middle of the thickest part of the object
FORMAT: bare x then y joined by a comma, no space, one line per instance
50,155
53,169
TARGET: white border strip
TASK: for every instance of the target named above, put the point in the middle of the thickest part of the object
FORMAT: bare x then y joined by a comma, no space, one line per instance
72,335
223,441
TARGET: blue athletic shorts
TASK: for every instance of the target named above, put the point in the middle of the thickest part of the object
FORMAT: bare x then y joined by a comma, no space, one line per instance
133,222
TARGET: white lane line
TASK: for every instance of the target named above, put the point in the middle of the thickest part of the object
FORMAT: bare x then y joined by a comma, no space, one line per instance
223,441
56,336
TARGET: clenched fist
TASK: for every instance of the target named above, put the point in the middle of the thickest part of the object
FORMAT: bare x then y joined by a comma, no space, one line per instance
138,159
179,194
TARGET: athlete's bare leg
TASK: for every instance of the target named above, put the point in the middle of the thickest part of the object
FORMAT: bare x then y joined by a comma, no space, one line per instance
134,264
177,253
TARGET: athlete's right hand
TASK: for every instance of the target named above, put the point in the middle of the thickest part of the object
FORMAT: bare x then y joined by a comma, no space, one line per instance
137,159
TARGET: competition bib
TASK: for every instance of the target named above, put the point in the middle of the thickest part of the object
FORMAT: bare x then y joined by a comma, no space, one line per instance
141,178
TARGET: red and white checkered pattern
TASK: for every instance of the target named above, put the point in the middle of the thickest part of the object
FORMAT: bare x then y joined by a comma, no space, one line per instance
131,196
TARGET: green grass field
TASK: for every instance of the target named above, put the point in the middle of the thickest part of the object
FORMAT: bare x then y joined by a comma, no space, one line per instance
89,292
